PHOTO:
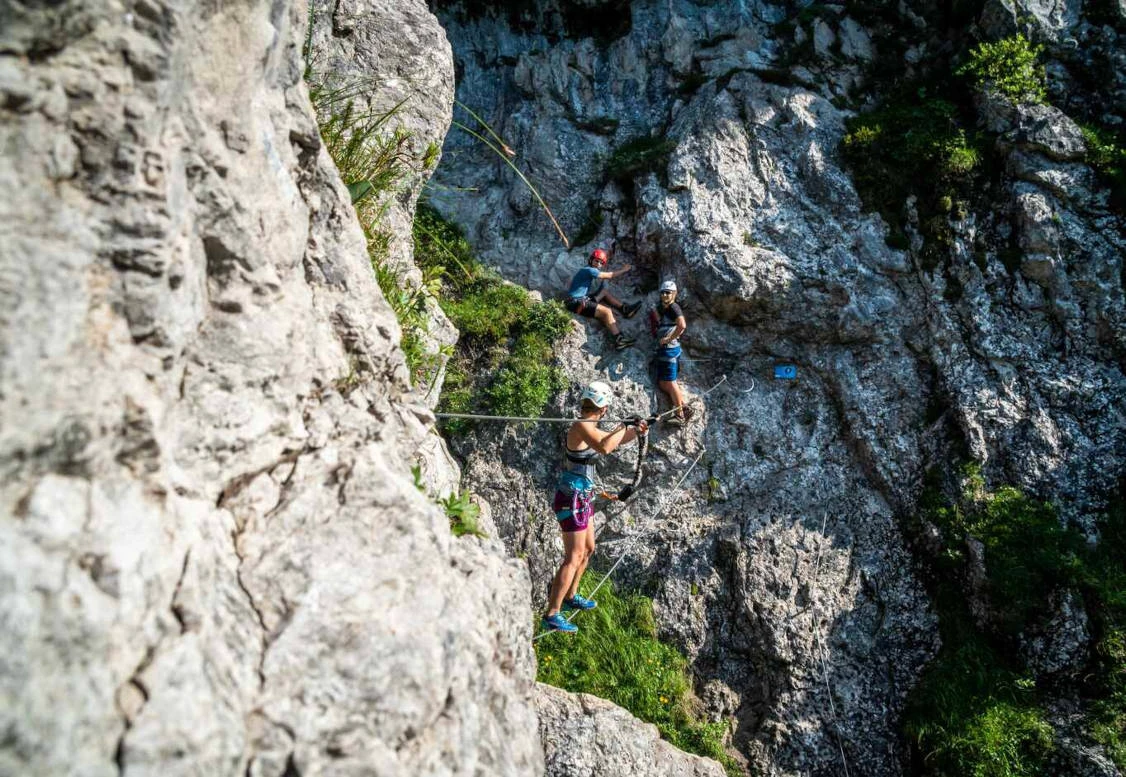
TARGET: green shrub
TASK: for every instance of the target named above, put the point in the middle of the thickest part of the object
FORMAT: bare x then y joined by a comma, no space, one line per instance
912,147
1028,554
975,711
1106,152
1010,67
616,655
524,386
503,360
638,157
907,138
463,514
1105,595
488,309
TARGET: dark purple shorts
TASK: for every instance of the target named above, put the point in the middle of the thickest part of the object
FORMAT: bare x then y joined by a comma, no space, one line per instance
573,511
583,307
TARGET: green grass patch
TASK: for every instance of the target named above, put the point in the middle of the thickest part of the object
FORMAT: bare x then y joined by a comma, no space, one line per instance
974,714
1028,554
896,147
616,655
1104,579
977,710
375,159
409,305
1010,66
503,361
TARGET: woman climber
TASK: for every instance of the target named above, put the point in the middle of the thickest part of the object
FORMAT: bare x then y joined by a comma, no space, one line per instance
667,324
589,297
574,496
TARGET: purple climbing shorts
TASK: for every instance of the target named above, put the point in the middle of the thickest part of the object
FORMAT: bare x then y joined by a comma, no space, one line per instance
573,511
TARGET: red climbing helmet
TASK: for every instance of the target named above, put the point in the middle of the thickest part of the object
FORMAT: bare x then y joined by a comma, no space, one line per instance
599,256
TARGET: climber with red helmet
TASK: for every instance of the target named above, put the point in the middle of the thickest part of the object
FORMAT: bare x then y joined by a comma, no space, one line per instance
589,297
574,497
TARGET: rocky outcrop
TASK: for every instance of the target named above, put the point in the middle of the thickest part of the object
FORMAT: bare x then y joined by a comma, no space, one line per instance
585,736
389,65
784,548
212,557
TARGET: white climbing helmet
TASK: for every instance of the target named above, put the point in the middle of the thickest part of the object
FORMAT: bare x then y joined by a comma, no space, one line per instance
668,286
599,393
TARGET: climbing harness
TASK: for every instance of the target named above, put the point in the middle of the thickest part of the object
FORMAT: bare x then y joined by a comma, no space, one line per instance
660,509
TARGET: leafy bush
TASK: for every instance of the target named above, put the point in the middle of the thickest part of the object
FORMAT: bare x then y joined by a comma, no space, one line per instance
894,148
463,514
616,655
1010,67
1106,152
906,138
460,508
976,711
503,361
638,157
1028,554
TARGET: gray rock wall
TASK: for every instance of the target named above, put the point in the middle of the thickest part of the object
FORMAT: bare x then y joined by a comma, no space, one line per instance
585,736
785,548
212,557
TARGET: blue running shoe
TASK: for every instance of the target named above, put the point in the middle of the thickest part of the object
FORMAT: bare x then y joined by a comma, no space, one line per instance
577,602
557,622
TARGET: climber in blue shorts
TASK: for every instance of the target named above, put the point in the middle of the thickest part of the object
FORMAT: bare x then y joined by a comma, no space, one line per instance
589,297
574,497
666,321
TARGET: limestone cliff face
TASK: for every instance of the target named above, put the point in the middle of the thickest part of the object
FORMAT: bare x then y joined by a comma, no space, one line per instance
781,569
212,556
213,559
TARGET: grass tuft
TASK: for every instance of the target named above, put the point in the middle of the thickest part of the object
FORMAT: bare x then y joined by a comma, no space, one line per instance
616,655
977,710
503,361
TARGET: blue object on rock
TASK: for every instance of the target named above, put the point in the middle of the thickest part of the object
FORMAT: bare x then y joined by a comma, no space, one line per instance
785,372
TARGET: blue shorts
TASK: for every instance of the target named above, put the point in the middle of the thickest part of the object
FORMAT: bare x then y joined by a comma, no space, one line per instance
667,368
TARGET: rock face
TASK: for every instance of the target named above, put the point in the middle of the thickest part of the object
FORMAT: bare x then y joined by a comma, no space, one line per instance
585,736
212,556
781,569
390,63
